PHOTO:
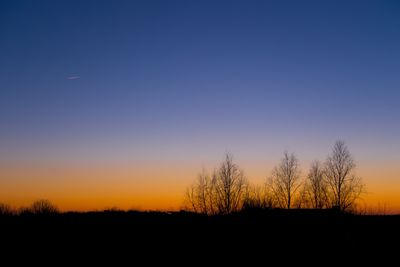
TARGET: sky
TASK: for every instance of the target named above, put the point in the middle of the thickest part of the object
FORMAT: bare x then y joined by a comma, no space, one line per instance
122,103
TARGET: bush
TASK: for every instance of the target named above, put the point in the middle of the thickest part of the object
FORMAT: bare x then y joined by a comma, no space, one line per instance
5,210
43,207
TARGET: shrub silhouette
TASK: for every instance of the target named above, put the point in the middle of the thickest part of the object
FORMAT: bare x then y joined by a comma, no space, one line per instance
5,210
43,207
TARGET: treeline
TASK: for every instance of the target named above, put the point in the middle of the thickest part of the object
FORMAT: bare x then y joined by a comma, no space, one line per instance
38,207
331,184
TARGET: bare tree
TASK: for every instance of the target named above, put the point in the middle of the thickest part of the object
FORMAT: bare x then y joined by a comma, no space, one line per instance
316,186
345,187
223,192
285,181
201,195
302,201
230,186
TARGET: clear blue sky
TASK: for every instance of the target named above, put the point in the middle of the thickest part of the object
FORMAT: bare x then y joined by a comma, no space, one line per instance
187,74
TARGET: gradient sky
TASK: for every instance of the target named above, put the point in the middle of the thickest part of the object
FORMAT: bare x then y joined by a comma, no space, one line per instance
121,103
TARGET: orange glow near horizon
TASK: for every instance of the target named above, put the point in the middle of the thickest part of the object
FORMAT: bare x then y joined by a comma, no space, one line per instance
142,186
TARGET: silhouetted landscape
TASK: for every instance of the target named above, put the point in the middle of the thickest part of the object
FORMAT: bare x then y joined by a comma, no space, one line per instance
250,235
224,214
199,132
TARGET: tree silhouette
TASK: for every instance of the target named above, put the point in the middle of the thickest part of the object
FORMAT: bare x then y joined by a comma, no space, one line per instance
345,187
329,185
222,193
201,195
317,186
285,181
230,186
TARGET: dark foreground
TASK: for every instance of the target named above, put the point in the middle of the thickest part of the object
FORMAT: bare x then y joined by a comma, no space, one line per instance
319,238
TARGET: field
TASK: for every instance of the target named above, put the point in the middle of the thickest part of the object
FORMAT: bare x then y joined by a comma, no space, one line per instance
277,235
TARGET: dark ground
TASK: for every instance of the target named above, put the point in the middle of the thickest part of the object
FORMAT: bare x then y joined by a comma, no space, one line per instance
302,236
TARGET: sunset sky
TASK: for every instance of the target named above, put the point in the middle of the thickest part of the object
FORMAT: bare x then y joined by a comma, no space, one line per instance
122,103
